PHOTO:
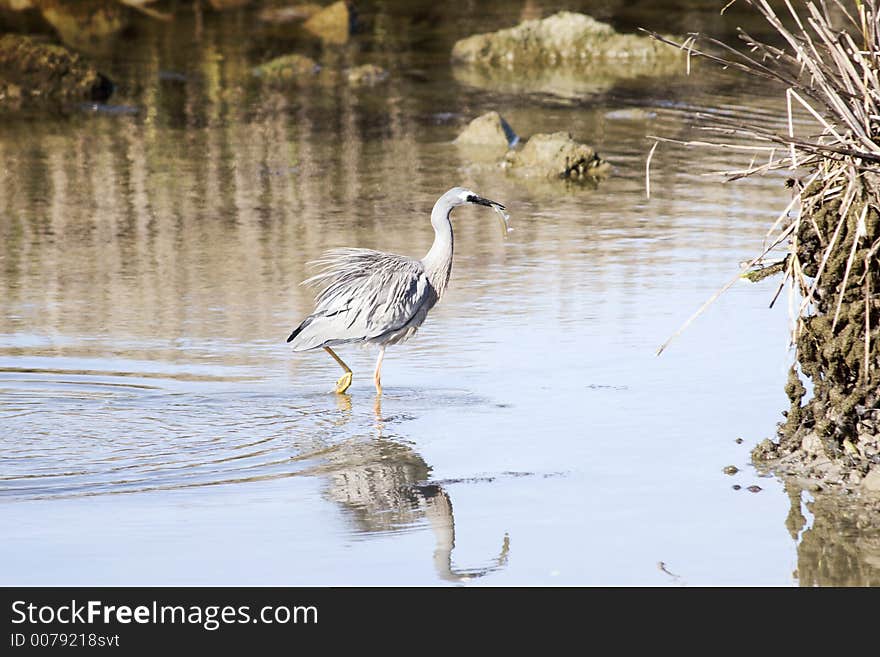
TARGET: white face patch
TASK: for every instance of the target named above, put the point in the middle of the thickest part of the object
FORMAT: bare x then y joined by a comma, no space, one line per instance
464,194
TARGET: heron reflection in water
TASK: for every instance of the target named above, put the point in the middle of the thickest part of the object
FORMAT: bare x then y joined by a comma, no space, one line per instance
384,485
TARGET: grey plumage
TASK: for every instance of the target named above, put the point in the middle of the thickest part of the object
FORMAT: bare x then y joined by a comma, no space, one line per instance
365,296
380,298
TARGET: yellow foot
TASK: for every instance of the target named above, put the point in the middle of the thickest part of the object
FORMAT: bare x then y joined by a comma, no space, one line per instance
344,382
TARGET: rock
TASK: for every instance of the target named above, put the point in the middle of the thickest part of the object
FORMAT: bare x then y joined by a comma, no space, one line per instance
871,482
489,129
279,15
87,27
368,75
730,470
811,444
556,155
287,68
35,72
867,445
765,450
332,24
563,37
567,55
831,471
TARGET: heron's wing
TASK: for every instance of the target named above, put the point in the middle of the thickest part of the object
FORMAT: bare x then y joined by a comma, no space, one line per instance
363,294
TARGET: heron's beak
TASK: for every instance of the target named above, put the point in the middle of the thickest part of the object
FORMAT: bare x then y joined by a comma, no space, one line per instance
479,200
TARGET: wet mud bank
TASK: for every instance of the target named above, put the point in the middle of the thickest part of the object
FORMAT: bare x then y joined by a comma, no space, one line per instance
831,437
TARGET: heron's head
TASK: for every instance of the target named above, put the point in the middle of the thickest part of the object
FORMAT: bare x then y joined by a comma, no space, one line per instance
461,196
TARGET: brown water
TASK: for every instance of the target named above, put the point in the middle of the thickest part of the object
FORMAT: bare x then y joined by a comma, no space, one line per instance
156,429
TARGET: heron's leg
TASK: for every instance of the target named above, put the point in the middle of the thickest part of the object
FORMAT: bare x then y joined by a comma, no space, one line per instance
345,380
377,375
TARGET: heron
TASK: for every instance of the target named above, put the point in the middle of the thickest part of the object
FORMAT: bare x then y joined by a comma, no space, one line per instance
372,297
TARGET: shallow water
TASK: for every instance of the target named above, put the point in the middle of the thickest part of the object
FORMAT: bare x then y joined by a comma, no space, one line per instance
156,429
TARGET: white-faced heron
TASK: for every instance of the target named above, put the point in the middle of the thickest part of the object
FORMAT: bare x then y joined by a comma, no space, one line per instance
380,298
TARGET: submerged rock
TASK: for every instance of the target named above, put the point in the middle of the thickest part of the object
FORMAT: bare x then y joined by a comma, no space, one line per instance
287,68
33,72
490,129
368,74
332,24
556,155
563,37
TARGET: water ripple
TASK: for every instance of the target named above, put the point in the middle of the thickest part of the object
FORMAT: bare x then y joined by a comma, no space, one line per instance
98,435
127,438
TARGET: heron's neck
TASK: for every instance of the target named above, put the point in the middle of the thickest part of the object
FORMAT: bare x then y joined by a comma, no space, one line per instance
438,261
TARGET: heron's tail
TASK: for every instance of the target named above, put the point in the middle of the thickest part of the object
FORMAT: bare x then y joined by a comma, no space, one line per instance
298,330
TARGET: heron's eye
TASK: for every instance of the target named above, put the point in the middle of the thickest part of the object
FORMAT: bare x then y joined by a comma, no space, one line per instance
470,198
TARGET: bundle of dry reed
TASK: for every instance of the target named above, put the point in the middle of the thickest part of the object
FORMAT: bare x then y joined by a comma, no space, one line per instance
830,229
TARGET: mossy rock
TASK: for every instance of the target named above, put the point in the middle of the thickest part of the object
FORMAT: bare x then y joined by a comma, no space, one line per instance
489,129
556,155
287,68
565,37
35,72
